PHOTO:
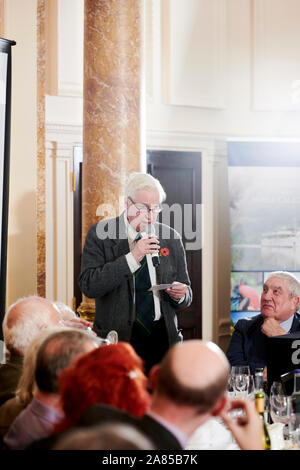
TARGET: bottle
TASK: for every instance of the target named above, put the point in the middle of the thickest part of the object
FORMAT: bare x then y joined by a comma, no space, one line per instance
260,386
260,408
296,392
259,379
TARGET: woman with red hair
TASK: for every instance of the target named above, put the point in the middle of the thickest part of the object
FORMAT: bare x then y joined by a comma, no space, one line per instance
110,375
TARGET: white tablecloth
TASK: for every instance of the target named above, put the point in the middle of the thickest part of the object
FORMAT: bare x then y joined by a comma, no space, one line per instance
212,435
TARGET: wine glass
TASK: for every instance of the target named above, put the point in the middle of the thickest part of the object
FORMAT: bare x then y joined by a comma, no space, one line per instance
281,411
276,389
230,388
240,370
251,388
240,380
241,385
112,337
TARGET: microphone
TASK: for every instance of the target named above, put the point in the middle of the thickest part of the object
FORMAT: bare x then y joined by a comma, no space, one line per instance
154,256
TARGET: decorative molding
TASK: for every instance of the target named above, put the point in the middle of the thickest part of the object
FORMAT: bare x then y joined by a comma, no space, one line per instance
192,75
70,89
64,129
59,221
215,145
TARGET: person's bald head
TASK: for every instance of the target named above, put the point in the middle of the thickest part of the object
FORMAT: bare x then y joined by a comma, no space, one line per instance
24,319
193,373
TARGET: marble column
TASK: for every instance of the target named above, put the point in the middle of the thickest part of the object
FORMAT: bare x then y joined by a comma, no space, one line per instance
112,131
41,170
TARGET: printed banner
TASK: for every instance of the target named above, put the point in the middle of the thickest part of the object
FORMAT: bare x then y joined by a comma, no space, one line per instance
264,192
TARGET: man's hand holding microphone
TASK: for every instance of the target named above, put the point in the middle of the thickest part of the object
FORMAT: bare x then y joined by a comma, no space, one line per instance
149,244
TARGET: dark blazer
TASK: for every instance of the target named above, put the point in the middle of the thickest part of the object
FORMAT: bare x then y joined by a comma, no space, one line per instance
105,276
249,346
161,437
95,414
10,373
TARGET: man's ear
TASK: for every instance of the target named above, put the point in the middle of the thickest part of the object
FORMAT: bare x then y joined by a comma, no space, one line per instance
153,377
219,406
297,300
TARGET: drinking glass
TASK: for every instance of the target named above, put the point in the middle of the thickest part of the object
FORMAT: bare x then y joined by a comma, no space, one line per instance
240,380
230,388
281,411
241,385
240,370
112,337
251,388
276,389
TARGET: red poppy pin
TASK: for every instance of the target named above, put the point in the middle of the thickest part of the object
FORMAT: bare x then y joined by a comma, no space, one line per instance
164,252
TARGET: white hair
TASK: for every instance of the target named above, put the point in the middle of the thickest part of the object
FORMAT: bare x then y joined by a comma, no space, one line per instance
19,336
138,181
292,282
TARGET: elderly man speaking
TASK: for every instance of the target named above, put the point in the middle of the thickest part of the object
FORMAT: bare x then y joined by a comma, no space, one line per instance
278,305
126,256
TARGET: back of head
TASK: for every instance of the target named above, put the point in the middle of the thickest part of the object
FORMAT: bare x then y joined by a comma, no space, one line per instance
56,352
110,375
137,181
25,319
193,373
26,386
114,436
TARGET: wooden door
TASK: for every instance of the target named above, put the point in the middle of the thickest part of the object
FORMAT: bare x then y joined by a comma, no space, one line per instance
180,175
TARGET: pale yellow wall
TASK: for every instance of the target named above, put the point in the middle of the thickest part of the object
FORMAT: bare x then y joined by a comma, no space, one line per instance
20,25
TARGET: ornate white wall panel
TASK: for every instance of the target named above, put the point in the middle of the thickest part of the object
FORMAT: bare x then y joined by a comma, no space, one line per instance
70,23
276,55
59,222
194,46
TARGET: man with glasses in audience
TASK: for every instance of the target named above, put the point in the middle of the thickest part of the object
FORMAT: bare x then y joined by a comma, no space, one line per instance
123,258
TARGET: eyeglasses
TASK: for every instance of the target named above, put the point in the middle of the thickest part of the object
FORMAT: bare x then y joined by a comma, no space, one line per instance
145,209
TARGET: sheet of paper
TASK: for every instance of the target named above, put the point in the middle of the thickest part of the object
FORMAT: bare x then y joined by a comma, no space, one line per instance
160,287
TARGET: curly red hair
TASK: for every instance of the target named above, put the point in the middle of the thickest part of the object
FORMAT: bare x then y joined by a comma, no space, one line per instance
111,375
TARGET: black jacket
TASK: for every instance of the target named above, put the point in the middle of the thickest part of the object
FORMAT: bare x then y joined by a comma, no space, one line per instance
249,346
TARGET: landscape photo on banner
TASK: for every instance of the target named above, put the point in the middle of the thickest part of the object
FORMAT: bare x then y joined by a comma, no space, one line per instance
264,195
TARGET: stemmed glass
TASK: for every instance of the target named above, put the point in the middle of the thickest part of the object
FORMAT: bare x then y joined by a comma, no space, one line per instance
276,389
240,380
281,410
240,370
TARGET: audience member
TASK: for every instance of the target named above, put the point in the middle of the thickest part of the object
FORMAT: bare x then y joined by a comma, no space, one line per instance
22,321
119,388
45,411
119,382
26,387
188,388
110,436
278,305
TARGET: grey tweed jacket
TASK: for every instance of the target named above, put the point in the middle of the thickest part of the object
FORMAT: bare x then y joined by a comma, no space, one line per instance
105,276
